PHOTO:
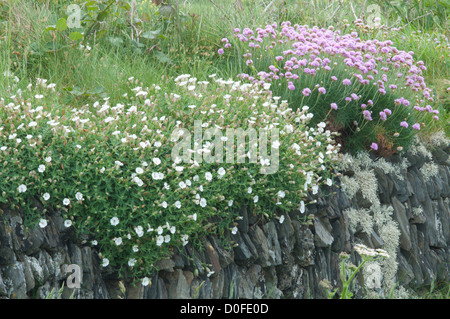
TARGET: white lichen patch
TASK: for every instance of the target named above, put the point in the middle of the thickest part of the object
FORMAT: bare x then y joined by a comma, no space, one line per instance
360,217
428,170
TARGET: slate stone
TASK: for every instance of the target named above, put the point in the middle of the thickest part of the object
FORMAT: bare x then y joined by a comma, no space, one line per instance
322,236
440,156
403,222
385,185
243,222
273,243
244,252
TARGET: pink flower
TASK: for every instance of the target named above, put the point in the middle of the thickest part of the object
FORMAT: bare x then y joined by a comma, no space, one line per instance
322,90
291,86
404,124
367,115
334,106
306,92
346,82
374,146
387,111
416,126
383,116
220,51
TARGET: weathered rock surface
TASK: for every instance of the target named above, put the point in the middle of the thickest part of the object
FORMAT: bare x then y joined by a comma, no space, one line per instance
269,259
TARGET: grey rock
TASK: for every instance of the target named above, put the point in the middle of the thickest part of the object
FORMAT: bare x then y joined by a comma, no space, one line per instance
304,249
15,283
440,156
165,264
260,241
243,223
403,222
245,252
385,185
273,243
322,236
285,233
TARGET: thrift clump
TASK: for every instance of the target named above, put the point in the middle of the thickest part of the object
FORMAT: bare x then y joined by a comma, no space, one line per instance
370,92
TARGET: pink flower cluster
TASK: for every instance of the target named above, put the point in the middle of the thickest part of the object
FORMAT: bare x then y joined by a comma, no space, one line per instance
302,51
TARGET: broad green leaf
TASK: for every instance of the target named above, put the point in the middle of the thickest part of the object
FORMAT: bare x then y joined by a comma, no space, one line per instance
75,36
161,57
61,24
151,35
49,28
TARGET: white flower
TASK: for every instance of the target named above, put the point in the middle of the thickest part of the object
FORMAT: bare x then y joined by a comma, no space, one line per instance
139,231
94,243
139,170
48,159
234,230
32,124
164,204
67,223
138,181
135,248
105,262
249,190
255,199
66,201
208,176
184,238
289,128
179,168
79,196
182,185
145,281
221,171
46,196
41,168
114,221
281,194
172,229
156,161
230,202
315,189
157,144
118,163
167,238
194,217
302,207
203,202
177,204
159,240
118,241
157,176
131,262
281,219
22,188
329,182
42,223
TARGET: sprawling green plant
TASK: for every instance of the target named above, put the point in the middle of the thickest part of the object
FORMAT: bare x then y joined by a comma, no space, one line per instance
116,173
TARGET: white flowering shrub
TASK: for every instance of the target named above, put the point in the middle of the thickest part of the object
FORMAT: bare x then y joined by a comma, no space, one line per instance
109,166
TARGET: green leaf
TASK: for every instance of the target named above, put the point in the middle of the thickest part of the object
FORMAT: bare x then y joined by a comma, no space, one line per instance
49,28
151,35
61,24
161,57
75,36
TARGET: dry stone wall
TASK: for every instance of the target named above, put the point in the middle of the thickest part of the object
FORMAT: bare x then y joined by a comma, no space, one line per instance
400,205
